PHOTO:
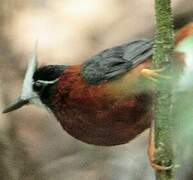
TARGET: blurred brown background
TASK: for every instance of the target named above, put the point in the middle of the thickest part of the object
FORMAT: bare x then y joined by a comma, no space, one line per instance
33,146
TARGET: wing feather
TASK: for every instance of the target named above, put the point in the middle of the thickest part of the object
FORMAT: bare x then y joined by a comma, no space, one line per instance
116,61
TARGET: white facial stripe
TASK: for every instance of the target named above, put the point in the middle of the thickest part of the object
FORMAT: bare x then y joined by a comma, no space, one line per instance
47,82
35,99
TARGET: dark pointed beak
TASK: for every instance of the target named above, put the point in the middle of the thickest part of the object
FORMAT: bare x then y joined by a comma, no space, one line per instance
15,105
27,91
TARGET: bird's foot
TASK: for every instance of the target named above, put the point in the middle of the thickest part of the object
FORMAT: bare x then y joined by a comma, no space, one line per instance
154,75
151,154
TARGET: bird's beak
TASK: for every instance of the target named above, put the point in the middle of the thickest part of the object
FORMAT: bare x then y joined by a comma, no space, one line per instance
27,92
15,105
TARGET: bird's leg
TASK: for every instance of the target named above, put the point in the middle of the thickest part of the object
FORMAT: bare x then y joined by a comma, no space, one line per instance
152,152
153,74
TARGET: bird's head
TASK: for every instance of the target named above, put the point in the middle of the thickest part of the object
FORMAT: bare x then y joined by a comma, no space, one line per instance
37,84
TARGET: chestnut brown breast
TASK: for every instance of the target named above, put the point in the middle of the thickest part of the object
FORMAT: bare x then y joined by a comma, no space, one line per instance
93,114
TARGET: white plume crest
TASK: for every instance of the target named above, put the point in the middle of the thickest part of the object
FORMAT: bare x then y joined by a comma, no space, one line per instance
27,91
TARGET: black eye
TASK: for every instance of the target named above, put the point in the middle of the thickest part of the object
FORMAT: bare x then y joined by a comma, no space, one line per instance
37,86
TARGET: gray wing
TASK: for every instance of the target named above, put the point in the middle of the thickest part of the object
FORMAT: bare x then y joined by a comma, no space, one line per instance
116,61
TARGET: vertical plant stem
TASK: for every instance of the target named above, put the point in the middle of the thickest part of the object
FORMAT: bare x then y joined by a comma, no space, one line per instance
164,43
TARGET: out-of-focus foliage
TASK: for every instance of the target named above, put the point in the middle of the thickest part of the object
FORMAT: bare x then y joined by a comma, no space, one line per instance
32,143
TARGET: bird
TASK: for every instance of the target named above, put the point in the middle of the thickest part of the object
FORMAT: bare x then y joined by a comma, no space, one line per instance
105,101
98,101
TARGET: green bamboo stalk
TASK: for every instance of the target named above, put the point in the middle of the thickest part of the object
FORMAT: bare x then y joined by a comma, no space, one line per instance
164,43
